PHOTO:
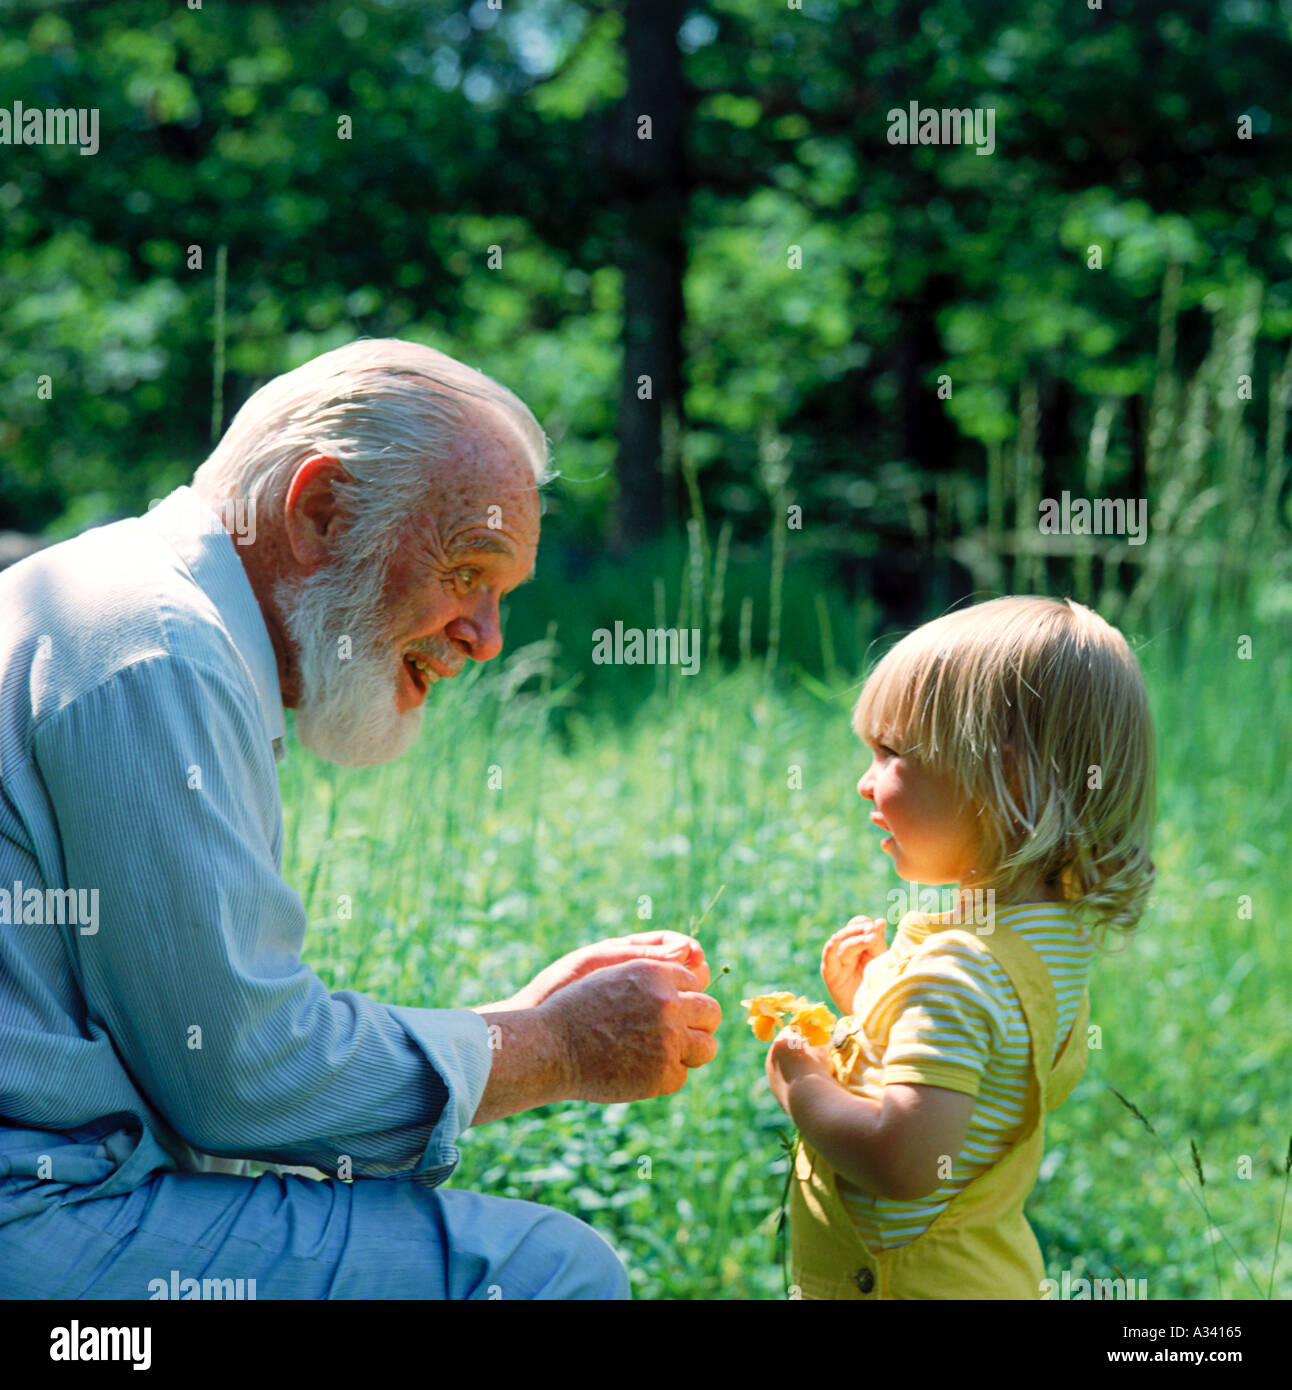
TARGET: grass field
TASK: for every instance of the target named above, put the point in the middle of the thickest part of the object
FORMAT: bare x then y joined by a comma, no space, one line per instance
461,892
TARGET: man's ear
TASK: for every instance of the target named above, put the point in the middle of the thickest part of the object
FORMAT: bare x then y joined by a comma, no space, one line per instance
311,509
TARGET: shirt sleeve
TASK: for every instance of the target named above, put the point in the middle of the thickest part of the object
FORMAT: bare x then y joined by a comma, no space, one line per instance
163,786
944,1019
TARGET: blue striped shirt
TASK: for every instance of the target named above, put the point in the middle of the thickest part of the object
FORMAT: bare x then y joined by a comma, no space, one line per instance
158,1015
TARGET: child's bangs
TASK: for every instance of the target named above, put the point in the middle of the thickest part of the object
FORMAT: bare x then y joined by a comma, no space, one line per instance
889,708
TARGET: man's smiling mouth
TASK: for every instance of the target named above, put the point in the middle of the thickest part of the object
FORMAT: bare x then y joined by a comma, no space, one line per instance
419,673
424,671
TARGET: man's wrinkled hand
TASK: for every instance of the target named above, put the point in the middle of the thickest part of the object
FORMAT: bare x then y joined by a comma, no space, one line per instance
633,1030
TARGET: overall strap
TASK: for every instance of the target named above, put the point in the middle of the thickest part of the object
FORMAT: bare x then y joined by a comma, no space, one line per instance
1031,981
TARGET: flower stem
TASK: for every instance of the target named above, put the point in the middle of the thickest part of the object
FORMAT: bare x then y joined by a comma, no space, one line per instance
1278,1234
696,926
792,1152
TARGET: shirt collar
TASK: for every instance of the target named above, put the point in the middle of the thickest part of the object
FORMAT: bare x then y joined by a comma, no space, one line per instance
199,537
918,925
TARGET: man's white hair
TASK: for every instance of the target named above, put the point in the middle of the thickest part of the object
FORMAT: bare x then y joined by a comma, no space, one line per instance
386,410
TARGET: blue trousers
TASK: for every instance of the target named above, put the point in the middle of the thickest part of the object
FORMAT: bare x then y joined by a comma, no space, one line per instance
305,1239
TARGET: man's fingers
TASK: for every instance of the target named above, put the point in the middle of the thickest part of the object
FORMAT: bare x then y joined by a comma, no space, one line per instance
664,946
668,945
701,1049
701,1011
663,938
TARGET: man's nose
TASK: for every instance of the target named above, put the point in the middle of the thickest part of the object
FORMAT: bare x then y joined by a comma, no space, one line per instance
480,630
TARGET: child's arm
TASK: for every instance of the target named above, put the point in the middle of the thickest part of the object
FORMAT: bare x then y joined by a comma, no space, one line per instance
891,1149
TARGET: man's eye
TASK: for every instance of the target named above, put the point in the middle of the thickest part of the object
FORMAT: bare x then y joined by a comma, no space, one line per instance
468,576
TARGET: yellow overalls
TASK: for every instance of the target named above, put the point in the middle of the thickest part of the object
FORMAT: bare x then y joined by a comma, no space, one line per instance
980,1245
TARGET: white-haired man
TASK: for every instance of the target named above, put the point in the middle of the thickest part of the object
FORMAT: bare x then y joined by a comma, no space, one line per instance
157,1025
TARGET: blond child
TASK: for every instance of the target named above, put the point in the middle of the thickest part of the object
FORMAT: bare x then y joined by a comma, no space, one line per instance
1012,755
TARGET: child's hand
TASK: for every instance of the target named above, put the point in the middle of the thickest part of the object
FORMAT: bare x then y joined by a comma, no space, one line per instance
788,1058
847,954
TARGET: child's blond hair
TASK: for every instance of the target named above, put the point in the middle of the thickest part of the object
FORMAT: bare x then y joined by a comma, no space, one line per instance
1074,799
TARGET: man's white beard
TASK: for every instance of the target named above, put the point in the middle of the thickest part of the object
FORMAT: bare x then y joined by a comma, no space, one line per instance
347,711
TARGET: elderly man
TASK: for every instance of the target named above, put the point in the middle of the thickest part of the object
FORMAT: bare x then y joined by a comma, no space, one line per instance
157,1025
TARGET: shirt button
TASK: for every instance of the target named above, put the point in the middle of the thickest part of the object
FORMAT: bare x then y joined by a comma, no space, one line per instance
865,1279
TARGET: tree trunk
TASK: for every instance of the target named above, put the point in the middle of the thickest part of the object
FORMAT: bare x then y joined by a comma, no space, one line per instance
650,179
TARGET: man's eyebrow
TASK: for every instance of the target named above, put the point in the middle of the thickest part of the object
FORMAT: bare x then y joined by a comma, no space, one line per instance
491,545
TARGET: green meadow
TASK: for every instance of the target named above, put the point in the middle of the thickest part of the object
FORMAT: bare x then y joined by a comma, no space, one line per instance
628,798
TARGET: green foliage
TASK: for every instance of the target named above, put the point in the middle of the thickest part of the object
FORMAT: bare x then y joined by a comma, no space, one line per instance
471,130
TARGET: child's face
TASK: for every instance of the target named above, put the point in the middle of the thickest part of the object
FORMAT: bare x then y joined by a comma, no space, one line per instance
934,832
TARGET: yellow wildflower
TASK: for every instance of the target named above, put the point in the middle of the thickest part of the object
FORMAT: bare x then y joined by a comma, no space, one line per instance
814,1021
765,1012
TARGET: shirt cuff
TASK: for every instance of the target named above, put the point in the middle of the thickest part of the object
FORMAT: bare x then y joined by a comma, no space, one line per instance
456,1044
944,1074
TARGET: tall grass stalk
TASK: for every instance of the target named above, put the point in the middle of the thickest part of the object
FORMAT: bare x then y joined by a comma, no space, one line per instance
1028,563
1275,457
828,663
1206,1214
698,551
777,582
716,591
661,620
1278,1234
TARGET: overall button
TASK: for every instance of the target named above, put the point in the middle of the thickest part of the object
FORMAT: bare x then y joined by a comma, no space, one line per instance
865,1279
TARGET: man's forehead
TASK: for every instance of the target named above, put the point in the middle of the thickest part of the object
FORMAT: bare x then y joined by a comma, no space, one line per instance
487,439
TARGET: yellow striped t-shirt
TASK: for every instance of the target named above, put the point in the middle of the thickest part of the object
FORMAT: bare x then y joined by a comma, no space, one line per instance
952,1019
